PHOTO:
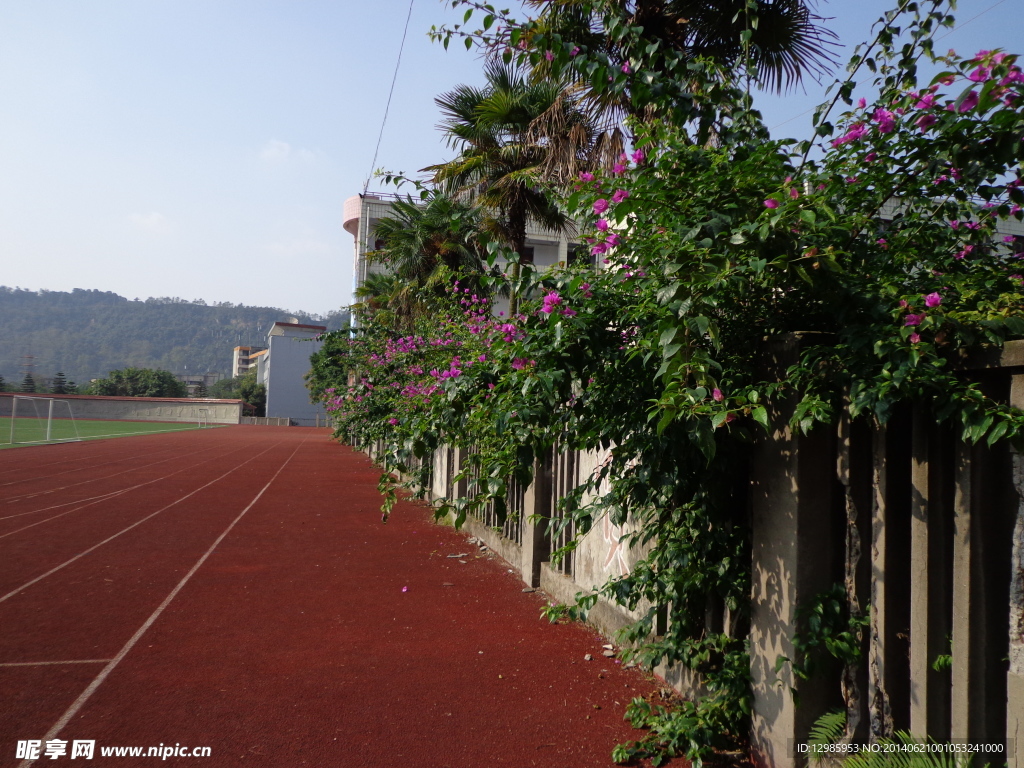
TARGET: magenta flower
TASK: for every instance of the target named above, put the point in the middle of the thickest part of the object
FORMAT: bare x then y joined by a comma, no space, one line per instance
575,51
855,133
915,338
612,239
769,203
862,102
602,224
870,157
619,196
618,169
926,102
885,119
716,393
601,205
625,67
932,300
600,248
911,320
568,312
980,75
392,421
549,55
551,301
924,122
970,102
520,363
794,193
638,156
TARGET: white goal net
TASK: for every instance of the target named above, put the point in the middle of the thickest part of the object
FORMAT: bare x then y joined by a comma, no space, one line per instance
41,420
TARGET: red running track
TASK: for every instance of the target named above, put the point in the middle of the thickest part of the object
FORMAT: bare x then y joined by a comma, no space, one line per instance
235,589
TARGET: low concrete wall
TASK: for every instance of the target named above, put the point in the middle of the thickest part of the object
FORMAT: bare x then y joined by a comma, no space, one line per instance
134,408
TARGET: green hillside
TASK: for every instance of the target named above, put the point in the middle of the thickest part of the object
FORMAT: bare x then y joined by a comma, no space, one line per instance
85,334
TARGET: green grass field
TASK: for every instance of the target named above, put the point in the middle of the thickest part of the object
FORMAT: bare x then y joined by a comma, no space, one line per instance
32,430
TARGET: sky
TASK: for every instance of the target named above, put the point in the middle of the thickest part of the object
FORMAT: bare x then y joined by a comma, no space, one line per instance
204,148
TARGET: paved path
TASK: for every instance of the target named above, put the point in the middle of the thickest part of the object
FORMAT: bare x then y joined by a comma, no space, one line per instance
235,589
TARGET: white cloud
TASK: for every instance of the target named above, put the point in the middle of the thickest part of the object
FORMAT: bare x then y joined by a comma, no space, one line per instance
277,152
155,223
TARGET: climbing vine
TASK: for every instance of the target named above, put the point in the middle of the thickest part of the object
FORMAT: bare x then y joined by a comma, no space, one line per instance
877,239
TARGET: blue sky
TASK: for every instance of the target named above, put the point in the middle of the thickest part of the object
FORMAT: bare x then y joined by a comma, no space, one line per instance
204,148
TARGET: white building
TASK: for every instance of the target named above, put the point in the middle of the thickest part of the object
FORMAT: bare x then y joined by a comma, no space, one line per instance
362,212
282,370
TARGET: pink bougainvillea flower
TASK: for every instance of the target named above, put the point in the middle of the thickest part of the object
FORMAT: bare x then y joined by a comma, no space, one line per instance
925,102
620,195
568,312
638,156
932,299
980,75
602,224
625,67
915,338
969,102
794,193
575,51
862,102
392,421
601,205
549,55
911,320
618,169
1009,239
600,248
551,301
947,79
885,119
405,589
716,393
520,363
769,203
854,133
612,239
586,176
870,157
924,122
1016,76
883,242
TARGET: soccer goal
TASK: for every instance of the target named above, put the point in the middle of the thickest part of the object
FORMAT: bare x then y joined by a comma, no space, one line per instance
42,420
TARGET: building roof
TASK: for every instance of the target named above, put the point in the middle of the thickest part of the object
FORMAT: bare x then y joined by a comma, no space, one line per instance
282,326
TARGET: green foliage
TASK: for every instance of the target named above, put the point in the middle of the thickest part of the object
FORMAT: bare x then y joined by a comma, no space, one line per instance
28,384
253,393
59,385
138,382
877,249
825,628
902,750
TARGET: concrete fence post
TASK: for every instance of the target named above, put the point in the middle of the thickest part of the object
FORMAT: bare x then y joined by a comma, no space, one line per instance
536,514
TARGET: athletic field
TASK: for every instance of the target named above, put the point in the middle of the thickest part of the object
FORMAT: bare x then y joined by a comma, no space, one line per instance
32,430
230,597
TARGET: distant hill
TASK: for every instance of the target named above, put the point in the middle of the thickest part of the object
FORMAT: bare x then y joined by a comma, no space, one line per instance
85,334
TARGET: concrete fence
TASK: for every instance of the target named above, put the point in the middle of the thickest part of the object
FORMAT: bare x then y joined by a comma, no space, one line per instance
925,531
135,408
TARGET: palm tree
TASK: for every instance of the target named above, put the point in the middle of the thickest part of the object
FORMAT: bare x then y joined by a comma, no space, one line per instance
501,165
419,238
787,42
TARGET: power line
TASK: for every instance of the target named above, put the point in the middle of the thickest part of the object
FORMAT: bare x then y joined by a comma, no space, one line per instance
401,47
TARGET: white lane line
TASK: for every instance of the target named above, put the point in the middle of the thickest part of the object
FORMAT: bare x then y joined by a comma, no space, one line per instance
105,672
52,663
90,500
137,523
176,455
117,457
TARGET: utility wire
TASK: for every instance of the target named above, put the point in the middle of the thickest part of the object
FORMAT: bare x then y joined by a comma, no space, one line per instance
398,63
